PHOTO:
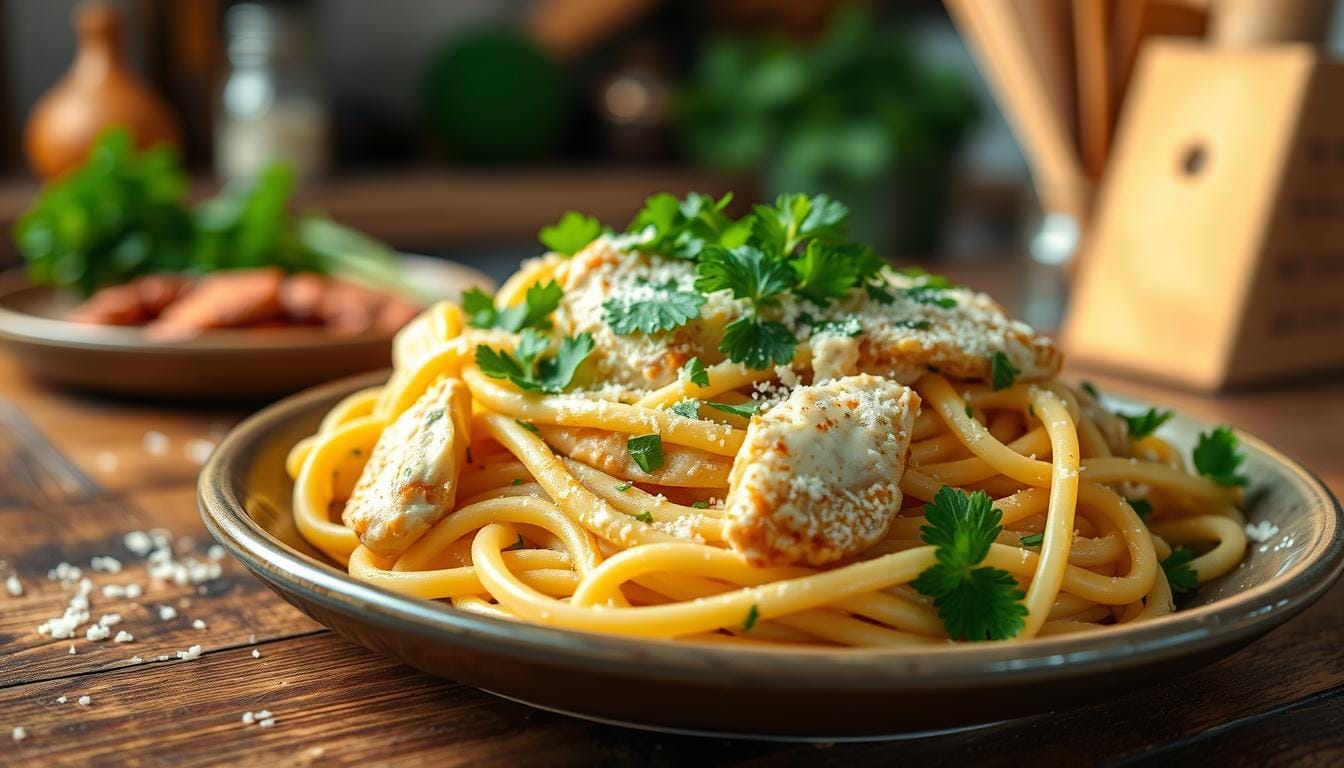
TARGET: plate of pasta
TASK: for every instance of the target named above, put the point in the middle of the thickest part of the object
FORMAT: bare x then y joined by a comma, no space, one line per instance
739,475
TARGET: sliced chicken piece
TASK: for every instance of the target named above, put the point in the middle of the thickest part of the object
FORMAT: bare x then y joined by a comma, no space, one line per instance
410,481
818,478
607,451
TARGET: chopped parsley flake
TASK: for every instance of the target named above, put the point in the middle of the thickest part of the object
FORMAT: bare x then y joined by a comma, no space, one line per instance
646,450
701,504
687,409
519,544
571,234
695,371
1032,539
529,426
970,412
745,410
850,326
1002,373
644,517
1146,423
1091,390
914,325
1180,575
974,603
623,487
1217,458
752,615
518,480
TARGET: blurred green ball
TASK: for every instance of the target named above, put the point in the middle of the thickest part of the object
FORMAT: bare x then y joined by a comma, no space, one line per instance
493,96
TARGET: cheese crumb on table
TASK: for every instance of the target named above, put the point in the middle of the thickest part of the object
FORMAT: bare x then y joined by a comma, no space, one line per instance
123,637
19,734
194,652
256,654
13,586
167,613
85,701
198,624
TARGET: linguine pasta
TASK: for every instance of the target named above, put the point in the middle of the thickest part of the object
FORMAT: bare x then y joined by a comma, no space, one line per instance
545,517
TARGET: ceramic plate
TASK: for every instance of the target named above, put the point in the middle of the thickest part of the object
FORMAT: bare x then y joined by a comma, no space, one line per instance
244,497
219,365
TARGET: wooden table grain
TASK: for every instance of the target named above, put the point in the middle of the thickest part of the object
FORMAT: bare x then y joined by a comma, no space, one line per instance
77,473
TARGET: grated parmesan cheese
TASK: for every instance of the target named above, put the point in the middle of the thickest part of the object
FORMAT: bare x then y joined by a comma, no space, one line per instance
13,586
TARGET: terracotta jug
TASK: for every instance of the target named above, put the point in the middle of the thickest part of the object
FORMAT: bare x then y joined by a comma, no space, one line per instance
98,91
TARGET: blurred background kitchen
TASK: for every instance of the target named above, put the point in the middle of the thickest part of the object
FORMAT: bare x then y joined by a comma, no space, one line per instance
457,129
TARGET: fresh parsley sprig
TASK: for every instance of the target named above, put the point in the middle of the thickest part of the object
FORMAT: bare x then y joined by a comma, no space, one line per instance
646,451
695,371
1180,575
534,311
1002,372
650,309
1144,424
528,369
1217,457
975,603
571,234
750,274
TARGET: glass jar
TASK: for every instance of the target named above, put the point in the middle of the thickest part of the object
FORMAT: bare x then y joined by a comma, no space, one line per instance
271,106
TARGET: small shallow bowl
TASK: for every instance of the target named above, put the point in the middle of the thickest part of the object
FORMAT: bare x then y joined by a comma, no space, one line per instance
244,496
216,366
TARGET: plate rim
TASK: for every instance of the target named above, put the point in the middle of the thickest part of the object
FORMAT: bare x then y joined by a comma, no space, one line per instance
1202,628
23,328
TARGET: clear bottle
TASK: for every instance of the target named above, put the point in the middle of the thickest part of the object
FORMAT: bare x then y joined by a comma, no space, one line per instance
272,105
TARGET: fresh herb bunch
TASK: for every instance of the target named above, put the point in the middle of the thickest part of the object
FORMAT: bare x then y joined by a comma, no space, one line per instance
123,214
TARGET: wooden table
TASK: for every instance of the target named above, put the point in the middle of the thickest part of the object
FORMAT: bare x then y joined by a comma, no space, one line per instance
77,473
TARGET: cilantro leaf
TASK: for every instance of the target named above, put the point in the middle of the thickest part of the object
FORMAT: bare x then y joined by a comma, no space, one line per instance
537,305
757,343
529,371
746,271
753,614
1217,458
650,309
571,234
683,228
796,218
745,410
1032,540
825,272
1002,372
646,450
974,603
687,409
1146,423
695,371
1180,575
1142,507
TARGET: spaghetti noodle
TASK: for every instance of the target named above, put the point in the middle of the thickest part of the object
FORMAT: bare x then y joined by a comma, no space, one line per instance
549,522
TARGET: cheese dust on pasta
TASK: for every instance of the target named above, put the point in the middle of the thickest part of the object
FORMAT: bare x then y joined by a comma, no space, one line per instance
754,430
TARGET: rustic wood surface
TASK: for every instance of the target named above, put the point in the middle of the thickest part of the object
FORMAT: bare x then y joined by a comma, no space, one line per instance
76,473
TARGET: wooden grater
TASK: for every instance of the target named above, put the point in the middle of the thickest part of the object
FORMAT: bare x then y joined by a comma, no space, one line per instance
1216,254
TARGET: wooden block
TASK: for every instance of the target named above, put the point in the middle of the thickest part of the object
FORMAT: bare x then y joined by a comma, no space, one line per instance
1216,256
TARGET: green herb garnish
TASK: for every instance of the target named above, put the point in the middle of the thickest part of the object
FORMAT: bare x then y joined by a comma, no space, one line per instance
1217,458
623,487
695,371
750,621
701,504
1032,539
530,371
571,234
644,517
646,450
519,544
1146,423
529,426
1002,373
687,409
650,309
974,603
745,410
538,303
1142,507
1180,575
